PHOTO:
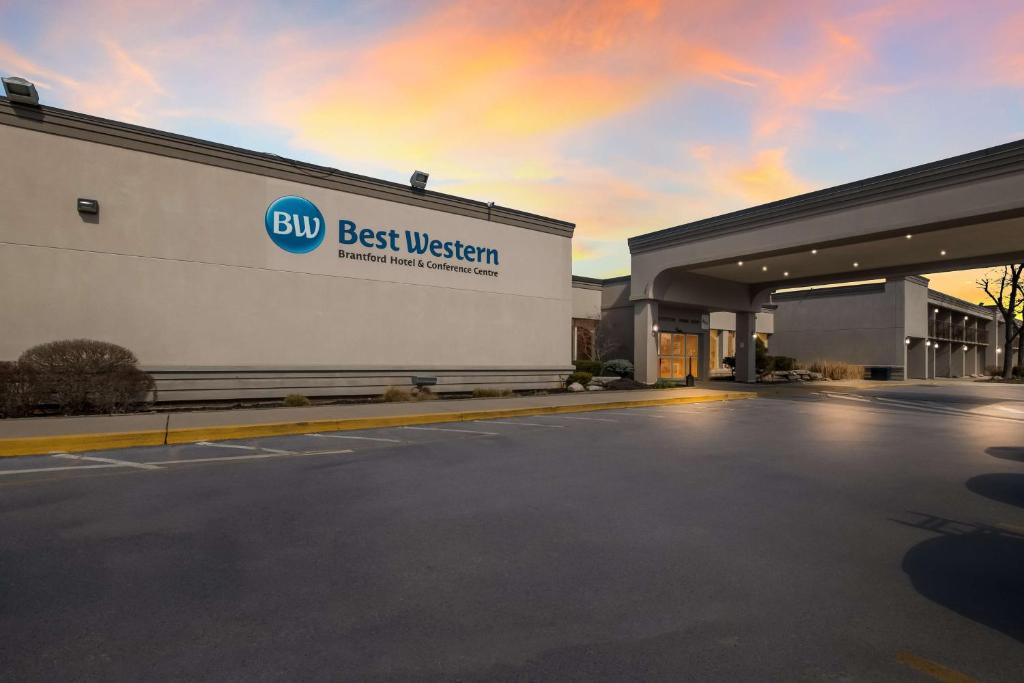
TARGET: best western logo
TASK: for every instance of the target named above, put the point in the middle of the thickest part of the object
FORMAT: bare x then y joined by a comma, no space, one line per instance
297,226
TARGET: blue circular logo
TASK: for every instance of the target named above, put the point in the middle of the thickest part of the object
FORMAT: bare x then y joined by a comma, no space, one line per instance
295,224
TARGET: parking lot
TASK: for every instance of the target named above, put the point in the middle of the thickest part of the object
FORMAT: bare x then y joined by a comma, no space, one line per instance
823,535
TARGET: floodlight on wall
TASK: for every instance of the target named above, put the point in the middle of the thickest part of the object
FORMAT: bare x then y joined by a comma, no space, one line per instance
91,206
21,91
419,180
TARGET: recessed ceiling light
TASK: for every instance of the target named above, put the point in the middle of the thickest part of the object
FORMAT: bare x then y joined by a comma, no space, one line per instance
814,251
856,265
764,267
936,310
909,236
943,252
785,274
739,263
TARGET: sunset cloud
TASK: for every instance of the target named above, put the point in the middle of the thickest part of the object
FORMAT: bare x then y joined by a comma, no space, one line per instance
621,116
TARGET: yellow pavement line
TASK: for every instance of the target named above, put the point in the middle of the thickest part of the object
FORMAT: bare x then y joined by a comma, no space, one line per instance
933,669
73,443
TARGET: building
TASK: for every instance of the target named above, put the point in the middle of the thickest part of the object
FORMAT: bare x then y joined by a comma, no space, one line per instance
899,328
238,275
689,341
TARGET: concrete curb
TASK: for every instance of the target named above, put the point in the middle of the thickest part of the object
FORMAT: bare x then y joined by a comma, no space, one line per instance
72,443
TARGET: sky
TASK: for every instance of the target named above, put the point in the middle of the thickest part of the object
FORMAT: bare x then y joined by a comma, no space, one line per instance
621,116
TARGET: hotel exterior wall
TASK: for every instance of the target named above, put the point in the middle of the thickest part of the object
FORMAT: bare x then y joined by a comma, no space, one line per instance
179,269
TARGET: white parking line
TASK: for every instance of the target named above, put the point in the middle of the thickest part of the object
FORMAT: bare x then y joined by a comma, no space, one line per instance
589,419
254,456
1009,409
641,414
243,448
56,469
109,461
848,397
362,438
525,424
444,429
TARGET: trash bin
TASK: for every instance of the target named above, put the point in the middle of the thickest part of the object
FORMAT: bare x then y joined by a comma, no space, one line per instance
689,380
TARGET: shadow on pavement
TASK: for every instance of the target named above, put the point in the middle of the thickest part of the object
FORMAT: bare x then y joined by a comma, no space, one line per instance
1006,488
1007,452
977,571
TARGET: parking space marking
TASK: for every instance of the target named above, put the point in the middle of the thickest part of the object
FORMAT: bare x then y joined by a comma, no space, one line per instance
445,429
58,469
361,438
640,413
253,456
243,448
108,461
517,423
589,419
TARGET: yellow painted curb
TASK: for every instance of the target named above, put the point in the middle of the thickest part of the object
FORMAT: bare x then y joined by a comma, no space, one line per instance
71,443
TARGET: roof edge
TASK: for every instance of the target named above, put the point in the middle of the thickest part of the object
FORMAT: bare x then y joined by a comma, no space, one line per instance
67,123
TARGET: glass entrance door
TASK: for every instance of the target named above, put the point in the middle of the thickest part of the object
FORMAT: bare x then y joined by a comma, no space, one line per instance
678,355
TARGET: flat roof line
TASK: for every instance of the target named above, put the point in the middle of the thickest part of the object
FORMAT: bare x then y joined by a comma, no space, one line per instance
992,161
63,122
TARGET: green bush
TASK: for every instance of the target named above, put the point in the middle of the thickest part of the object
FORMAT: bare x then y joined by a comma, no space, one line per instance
620,367
491,393
666,384
591,366
394,395
296,401
86,376
581,377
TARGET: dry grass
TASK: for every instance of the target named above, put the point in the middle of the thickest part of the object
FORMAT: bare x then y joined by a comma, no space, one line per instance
491,393
831,369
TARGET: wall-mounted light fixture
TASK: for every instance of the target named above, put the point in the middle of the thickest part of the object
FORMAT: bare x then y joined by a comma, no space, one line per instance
654,330
418,180
21,91
928,343
907,340
965,347
91,206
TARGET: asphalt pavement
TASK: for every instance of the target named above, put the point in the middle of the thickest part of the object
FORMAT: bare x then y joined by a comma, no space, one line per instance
839,535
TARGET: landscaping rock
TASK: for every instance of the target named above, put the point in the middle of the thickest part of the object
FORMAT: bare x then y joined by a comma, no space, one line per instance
575,386
603,381
595,387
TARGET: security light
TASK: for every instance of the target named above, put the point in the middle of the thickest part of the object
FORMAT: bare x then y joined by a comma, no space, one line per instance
419,180
88,206
21,91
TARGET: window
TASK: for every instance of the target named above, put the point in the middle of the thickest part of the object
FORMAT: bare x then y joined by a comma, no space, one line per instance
679,355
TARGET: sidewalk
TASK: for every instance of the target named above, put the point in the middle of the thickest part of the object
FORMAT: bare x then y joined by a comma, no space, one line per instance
29,436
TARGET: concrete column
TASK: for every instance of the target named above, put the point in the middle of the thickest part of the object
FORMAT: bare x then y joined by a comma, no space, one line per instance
645,342
917,359
704,355
745,345
958,360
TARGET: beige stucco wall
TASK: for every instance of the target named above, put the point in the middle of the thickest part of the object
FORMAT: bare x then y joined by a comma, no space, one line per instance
586,302
179,268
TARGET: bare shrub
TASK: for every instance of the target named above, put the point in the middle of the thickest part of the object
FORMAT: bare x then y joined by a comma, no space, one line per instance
86,376
296,401
394,395
831,369
492,393
18,393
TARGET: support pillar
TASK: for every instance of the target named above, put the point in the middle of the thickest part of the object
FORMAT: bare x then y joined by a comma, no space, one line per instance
704,356
746,371
645,341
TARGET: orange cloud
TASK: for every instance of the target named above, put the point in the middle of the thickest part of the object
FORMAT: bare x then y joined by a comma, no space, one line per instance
764,180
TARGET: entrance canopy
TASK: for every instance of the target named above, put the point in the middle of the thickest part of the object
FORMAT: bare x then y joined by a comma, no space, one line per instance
962,212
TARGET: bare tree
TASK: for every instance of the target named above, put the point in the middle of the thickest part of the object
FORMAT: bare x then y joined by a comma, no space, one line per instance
1005,289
